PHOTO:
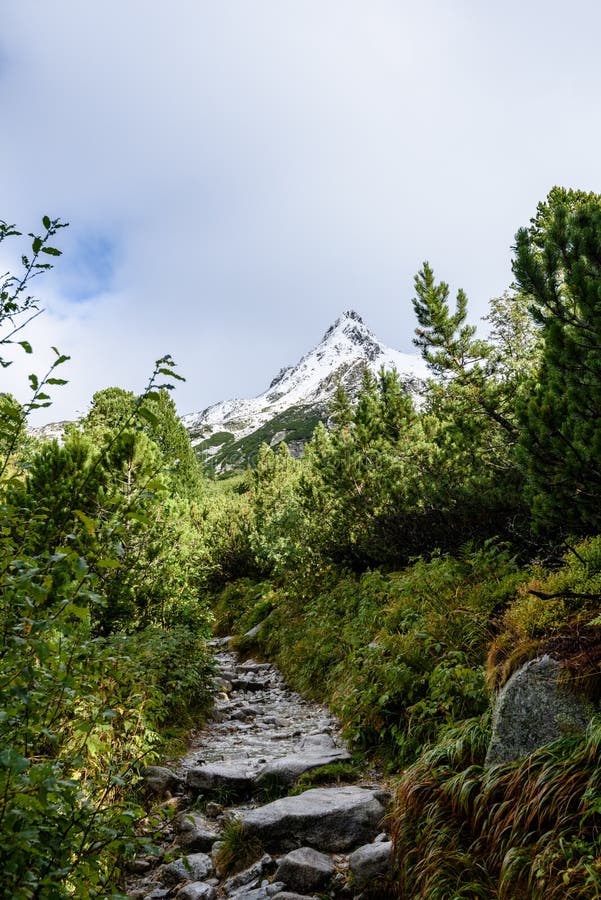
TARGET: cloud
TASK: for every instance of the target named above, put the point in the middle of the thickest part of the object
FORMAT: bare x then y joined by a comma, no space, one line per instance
236,174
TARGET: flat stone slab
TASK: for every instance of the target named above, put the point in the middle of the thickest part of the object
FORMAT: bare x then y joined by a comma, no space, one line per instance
289,769
230,780
329,819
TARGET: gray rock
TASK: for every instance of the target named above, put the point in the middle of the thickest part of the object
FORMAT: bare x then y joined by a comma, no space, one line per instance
160,780
193,867
197,890
228,779
320,742
250,683
370,863
288,769
250,877
532,710
196,832
305,870
290,895
329,819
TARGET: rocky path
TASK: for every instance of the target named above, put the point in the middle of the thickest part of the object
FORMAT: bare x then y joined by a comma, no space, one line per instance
328,841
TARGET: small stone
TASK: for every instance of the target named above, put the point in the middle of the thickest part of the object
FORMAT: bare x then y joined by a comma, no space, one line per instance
250,877
213,809
196,832
382,838
197,890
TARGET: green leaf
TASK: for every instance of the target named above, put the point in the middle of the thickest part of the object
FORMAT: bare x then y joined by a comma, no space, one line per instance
36,245
88,523
150,417
26,346
108,563
13,760
171,374
56,380
52,251
34,382
80,612
46,222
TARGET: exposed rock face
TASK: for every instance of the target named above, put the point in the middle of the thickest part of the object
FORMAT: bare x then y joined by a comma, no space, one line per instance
532,710
330,819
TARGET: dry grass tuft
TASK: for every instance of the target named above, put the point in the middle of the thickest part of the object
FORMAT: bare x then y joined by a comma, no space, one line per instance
529,829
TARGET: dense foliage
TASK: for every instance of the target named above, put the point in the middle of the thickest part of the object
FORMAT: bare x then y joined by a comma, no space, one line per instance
426,548
418,554
101,629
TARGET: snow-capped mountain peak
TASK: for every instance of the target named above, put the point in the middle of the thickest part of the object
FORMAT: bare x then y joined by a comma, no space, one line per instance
347,348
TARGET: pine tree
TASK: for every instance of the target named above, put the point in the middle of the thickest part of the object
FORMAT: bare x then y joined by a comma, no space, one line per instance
558,264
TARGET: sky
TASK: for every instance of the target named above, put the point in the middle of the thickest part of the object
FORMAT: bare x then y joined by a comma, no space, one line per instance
236,173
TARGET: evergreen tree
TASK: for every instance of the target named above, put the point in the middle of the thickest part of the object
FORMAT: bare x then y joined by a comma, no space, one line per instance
558,265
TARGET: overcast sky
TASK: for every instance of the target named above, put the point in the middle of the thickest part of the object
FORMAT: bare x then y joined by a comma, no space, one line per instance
238,172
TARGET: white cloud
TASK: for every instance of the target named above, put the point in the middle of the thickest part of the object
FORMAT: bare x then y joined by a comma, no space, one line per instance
251,169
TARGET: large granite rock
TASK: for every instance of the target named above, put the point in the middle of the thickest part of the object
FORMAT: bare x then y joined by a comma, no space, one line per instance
328,819
532,710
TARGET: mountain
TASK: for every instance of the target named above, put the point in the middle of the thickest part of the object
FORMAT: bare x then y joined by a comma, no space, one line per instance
228,435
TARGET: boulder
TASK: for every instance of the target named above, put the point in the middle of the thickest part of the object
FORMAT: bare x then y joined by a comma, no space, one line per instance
370,863
532,710
330,819
193,867
305,870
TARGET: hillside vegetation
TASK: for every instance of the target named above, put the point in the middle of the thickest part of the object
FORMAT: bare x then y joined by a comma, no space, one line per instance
416,557
401,571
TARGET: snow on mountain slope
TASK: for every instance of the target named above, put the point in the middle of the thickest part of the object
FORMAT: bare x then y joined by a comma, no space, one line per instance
347,348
